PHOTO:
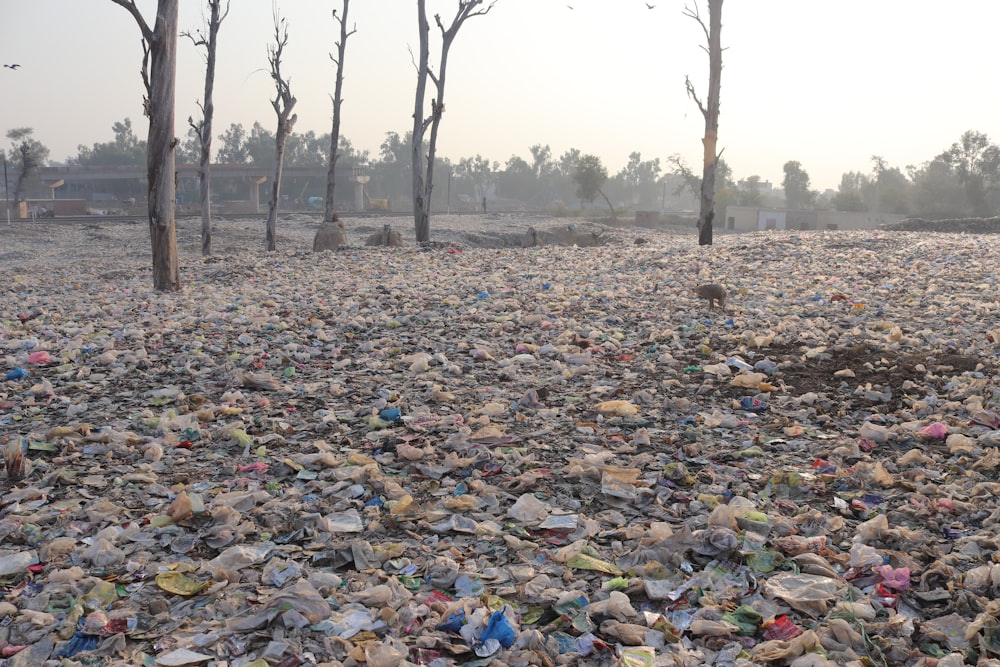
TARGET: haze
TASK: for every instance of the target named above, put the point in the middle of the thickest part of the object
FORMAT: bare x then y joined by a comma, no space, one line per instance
826,83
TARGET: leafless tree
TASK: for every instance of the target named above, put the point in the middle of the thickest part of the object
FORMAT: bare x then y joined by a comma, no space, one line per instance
423,174
203,127
159,69
283,104
331,174
711,113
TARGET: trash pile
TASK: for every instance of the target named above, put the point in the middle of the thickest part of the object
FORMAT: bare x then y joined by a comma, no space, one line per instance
538,456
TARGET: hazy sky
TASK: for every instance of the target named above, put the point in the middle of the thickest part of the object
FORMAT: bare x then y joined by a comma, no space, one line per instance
826,82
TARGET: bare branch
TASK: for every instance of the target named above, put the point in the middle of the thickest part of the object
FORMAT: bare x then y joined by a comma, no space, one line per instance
147,33
413,58
696,15
694,96
197,39
145,79
345,34
274,52
466,9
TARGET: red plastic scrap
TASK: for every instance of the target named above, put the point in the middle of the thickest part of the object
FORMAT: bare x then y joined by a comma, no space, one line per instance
781,628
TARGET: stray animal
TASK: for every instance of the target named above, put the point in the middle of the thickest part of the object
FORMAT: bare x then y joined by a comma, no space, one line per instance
713,292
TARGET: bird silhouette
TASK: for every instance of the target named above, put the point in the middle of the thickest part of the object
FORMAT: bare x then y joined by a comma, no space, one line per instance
649,6
14,66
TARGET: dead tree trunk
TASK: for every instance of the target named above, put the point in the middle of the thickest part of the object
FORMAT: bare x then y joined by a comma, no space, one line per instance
421,212
706,217
159,68
423,174
283,104
204,126
331,174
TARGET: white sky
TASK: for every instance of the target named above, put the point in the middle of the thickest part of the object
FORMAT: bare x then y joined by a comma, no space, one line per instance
826,82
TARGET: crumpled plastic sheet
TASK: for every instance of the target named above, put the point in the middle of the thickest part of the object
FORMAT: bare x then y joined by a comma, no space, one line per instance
459,455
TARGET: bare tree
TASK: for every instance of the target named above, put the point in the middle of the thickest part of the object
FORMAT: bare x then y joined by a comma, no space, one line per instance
423,175
283,104
706,216
203,127
331,174
687,178
159,69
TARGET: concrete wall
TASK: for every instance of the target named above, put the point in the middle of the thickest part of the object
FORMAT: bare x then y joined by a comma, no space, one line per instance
753,218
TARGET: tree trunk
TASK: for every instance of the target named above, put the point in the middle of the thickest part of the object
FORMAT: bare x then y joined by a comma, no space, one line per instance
160,45
206,129
421,209
283,104
272,208
423,181
331,175
706,217
160,149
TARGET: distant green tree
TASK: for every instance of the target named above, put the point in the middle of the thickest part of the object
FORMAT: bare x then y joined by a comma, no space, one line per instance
391,171
640,178
749,192
352,155
796,185
189,150
562,176
233,147
307,150
590,175
481,173
853,191
261,145
725,188
517,180
541,160
568,160
27,155
937,192
889,191
124,151
976,162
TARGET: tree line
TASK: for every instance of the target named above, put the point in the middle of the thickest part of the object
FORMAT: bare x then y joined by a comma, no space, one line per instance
961,181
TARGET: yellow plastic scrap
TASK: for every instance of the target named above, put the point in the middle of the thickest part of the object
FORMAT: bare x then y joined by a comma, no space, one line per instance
638,656
241,436
400,506
179,583
617,408
585,562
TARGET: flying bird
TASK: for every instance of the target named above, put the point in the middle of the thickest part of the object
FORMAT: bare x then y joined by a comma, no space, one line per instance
14,66
649,6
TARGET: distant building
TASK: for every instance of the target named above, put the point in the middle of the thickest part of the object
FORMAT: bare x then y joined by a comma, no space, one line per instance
757,218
